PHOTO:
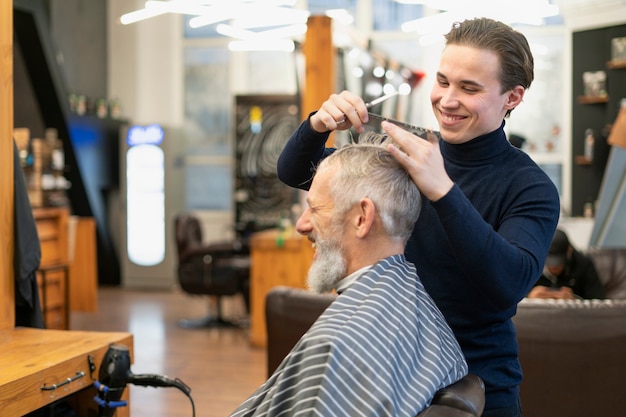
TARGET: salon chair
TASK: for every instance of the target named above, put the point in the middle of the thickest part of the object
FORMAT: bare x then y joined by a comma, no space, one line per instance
217,269
290,312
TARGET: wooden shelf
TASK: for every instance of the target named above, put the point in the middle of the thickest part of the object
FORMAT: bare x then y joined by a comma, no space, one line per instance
593,99
616,64
52,276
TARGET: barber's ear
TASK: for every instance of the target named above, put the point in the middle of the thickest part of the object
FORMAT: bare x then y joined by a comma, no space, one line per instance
515,97
364,218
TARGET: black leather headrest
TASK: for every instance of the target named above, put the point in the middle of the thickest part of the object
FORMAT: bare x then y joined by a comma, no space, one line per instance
467,394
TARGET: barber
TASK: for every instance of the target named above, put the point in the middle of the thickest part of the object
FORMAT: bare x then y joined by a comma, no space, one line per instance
488,213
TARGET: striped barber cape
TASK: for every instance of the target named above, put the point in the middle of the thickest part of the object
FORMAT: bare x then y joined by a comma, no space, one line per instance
382,348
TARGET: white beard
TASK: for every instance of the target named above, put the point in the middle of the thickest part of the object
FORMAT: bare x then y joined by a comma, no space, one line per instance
328,267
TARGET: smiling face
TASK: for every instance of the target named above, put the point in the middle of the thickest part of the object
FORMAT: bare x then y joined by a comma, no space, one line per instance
467,97
321,225
316,220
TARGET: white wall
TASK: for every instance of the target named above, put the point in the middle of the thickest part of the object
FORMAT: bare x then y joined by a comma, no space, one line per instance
145,66
145,74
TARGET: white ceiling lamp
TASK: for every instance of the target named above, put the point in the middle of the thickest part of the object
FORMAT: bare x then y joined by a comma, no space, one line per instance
206,12
215,16
435,24
270,40
248,14
255,17
279,15
509,11
139,15
284,20
245,34
153,8
234,32
341,16
280,45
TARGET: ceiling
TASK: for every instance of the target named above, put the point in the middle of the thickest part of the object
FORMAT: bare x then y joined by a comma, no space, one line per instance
421,16
398,27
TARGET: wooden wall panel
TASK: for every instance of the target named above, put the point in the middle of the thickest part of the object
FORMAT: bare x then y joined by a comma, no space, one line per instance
83,291
319,58
7,302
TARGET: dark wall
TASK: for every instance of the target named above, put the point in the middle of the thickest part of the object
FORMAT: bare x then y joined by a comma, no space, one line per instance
41,101
79,34
26,108
592,52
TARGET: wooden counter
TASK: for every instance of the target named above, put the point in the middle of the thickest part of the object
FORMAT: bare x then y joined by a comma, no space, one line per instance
33,358
277,259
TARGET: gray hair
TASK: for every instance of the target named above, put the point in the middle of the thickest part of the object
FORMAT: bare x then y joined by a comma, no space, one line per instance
367,169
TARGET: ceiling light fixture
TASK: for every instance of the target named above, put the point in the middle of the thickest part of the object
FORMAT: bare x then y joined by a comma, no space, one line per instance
139,15
242,15
530,12
208,12
340,15
245,34
281,45
153,8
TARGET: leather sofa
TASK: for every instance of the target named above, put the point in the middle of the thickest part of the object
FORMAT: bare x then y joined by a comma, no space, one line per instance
290,312
573,353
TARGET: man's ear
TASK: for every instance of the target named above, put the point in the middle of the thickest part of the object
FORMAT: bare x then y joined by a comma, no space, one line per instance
364,217
515,97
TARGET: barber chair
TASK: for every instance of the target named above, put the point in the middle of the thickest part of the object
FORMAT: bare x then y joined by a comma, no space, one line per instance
217,269
290,312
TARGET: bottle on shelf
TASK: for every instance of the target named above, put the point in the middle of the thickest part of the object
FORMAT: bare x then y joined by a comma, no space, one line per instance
588,209
589,144
55,148
35,189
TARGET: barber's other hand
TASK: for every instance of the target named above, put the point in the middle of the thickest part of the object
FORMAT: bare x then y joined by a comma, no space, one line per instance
422,159
340,112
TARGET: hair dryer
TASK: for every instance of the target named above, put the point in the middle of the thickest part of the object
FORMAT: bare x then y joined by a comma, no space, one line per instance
115,374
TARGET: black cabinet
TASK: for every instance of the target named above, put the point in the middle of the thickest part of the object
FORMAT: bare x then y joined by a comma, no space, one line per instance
592,52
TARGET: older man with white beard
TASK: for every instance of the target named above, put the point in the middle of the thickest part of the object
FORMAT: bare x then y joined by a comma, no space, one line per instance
382,348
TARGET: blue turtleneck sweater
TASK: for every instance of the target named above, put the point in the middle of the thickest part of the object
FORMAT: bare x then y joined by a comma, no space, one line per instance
478,250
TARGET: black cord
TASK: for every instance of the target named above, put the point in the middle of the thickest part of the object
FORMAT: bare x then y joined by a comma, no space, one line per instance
193,406
146,380
187,391
163,381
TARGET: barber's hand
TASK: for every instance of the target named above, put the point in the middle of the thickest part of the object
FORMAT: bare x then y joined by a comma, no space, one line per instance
422,159
340,112
562,293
